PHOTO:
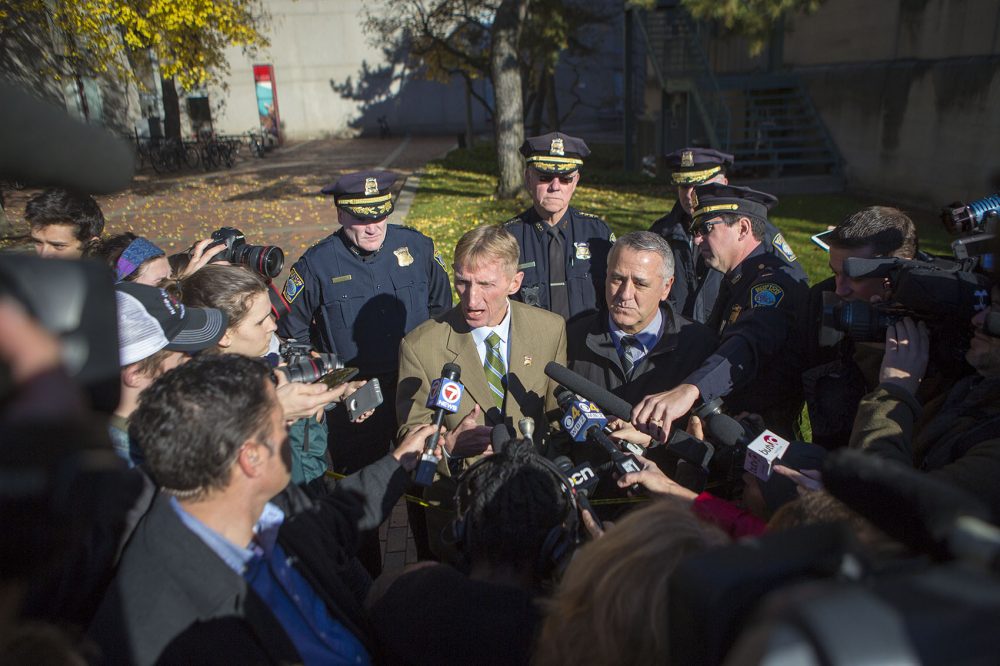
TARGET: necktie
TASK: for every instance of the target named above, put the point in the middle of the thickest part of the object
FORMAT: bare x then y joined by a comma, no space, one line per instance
558,295
494,368
631,349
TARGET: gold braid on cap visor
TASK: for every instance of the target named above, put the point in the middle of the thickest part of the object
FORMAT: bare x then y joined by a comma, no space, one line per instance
693,177
554,164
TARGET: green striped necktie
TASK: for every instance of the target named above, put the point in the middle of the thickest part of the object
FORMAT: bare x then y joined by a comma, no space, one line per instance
494,368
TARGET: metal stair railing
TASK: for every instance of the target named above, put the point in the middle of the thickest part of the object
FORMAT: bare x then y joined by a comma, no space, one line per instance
680,65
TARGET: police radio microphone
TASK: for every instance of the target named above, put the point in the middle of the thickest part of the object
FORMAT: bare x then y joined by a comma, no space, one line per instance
444,397
583,480
583,421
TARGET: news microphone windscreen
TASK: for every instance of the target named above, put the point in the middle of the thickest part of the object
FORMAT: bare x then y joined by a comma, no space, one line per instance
608,402
451,371
908,505
724,429
563,463
500,436
43,145
991,326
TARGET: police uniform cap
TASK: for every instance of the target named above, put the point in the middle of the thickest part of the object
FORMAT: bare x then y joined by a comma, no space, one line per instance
554,153
365,194
694,166
714,199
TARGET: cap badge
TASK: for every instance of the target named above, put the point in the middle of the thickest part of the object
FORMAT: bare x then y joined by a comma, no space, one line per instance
557,147
403,256
371,187
687,159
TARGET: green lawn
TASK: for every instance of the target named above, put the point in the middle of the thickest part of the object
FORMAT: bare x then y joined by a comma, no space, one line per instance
456,194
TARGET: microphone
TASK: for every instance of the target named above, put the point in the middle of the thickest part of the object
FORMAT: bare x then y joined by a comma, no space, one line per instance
913,508
527,428
583,479
445,396
607,401
500,436
43,145
723,428
585,422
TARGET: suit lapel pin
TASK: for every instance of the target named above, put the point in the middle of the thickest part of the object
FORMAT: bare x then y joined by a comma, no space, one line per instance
527,360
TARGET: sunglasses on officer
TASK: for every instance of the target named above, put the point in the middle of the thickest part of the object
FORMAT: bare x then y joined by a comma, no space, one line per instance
704,228
565,179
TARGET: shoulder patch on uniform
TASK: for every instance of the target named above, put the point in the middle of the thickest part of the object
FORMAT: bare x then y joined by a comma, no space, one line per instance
585,214
783,248
513,220
766,295
294,286
439,260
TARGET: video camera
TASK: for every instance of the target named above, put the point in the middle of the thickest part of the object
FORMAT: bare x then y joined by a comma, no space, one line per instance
938,293
268,260
978,223
302,365
813,595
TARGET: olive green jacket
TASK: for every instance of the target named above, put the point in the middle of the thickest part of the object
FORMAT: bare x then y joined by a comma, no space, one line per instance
955,437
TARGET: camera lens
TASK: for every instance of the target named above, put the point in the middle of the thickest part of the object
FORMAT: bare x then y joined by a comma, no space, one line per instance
268,260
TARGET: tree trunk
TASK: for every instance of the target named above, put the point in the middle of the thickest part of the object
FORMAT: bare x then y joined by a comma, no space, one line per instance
171,109
508,123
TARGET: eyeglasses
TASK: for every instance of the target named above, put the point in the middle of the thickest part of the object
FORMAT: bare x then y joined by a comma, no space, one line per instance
705,228
549,177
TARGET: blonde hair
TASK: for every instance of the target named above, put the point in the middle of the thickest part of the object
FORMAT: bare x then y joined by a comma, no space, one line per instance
486,243
615,590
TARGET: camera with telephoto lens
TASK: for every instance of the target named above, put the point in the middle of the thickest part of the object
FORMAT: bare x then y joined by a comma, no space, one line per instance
938,293
268,260
303,365
977,223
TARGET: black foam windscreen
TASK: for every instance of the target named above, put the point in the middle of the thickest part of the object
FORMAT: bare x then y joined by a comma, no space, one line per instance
75,301
609,403
500,436
42,146
908,505
725,429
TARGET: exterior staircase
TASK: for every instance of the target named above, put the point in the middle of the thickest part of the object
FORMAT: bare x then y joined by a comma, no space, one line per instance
766,120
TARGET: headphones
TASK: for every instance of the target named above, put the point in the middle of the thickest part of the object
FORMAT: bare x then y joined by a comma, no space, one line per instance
559,543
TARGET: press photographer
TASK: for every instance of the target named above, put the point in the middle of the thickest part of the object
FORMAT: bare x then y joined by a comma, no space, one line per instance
839,370
956,436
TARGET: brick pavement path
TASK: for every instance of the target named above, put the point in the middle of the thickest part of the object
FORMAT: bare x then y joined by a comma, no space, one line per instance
274,201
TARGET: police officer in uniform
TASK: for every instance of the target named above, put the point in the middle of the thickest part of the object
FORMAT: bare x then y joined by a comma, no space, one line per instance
696,285
564,251
356,293
758,316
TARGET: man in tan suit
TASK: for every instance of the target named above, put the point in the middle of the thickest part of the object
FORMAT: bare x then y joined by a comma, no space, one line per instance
502,348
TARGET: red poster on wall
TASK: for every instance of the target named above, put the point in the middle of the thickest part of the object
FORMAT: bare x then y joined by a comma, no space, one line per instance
267,100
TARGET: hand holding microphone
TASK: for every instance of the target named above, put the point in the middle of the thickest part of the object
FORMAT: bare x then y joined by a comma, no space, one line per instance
444,397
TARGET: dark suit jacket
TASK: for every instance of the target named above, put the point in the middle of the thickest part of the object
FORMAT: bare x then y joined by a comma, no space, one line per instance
174,600
681,349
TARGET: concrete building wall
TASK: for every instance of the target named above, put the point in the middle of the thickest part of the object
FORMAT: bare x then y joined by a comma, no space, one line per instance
312,42
922,133
318,43
909,92
844,31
